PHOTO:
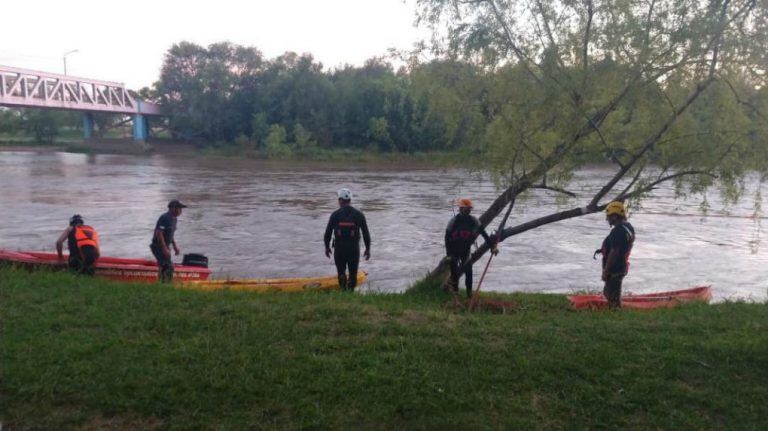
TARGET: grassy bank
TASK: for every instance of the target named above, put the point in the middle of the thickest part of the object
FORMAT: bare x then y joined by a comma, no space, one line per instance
127,146
91,354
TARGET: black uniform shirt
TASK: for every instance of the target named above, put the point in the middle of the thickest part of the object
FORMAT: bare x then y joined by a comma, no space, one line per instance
621,238
167,224
345,225
461,233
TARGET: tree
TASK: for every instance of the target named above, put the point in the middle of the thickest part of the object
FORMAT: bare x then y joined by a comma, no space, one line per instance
10,121
302,140
43,124
378,133
209,90
259,129
630,81
276,145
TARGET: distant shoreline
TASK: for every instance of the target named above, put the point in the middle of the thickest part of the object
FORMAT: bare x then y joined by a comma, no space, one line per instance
130,147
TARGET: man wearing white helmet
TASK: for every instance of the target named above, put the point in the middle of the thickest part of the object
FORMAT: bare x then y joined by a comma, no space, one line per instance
345,225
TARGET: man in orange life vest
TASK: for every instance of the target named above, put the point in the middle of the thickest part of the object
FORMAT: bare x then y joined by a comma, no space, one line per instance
460,234
345,224
83,244
616,249
163,239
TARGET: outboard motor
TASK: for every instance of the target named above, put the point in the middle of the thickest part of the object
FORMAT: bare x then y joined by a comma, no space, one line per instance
195,259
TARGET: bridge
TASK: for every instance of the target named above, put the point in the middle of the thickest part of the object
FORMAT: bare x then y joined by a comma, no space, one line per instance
22,88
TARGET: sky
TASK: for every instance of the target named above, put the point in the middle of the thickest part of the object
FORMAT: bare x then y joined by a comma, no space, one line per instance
125,41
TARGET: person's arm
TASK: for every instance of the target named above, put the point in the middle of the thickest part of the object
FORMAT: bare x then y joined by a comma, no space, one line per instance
485,235
60,242
609,261
613,255
175,247
491,242
366,237
448,230
327,236
161,240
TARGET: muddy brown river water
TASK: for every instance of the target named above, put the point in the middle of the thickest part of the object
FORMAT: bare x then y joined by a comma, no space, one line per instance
265,219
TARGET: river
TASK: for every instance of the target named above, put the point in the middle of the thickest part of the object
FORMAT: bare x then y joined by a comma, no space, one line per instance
266,219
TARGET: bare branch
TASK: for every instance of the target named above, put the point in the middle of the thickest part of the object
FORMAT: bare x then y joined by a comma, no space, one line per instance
653,140
634,179
652,186
585,48
543,186
740,101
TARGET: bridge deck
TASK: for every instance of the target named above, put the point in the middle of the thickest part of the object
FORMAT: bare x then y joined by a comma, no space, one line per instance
34,89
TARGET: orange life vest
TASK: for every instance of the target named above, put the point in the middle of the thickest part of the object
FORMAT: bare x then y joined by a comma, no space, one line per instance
86,235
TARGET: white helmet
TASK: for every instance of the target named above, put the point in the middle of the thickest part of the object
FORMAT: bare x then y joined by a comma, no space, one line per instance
344,194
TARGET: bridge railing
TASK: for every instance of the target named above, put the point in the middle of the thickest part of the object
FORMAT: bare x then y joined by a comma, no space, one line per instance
34,89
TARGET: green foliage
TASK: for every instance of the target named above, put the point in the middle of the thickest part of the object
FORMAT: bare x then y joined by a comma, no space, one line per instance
82,353
43,124
302,140
10,121
664,89
429,107
378,133
276,144
259,128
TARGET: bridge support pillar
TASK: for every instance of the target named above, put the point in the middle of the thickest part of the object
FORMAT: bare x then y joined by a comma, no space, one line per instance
140,128
87,125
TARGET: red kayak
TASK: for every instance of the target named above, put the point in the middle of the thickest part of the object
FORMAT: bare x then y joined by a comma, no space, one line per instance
114,268
646,300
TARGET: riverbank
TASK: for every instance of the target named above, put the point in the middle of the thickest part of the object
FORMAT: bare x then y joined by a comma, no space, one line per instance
211,150
91,354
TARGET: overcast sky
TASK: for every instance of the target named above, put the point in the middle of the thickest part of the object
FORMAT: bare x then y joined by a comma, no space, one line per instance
125,41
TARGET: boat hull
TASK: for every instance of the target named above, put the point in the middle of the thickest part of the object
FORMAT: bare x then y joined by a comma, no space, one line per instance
645,301
266,285
113,268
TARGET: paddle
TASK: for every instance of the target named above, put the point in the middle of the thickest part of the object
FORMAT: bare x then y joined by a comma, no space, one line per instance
495,243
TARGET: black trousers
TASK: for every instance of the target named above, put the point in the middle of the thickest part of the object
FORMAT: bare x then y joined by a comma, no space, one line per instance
612,290
347,257
164,265
457,260
81,261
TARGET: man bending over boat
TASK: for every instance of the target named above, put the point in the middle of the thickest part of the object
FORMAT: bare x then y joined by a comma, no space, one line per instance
616,249
163,239
83,245
345,225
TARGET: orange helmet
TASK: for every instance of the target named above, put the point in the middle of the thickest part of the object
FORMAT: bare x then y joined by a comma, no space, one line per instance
464,203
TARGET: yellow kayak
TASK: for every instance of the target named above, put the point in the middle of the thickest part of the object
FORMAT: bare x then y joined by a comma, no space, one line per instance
264,285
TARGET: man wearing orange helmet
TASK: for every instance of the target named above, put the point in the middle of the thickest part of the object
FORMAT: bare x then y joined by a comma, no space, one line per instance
616,249
460,234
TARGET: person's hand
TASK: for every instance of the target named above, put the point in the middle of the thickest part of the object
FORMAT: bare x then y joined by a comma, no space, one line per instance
367,254
494,249
328,252
175,250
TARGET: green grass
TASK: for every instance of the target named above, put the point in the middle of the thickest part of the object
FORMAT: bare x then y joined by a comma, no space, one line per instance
90,354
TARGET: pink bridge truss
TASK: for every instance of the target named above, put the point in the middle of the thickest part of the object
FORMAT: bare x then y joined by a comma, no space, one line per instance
33,89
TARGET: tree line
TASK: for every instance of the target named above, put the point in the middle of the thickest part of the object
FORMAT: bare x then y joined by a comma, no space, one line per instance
232,93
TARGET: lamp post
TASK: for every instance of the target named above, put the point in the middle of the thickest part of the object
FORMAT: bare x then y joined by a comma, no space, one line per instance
64,57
